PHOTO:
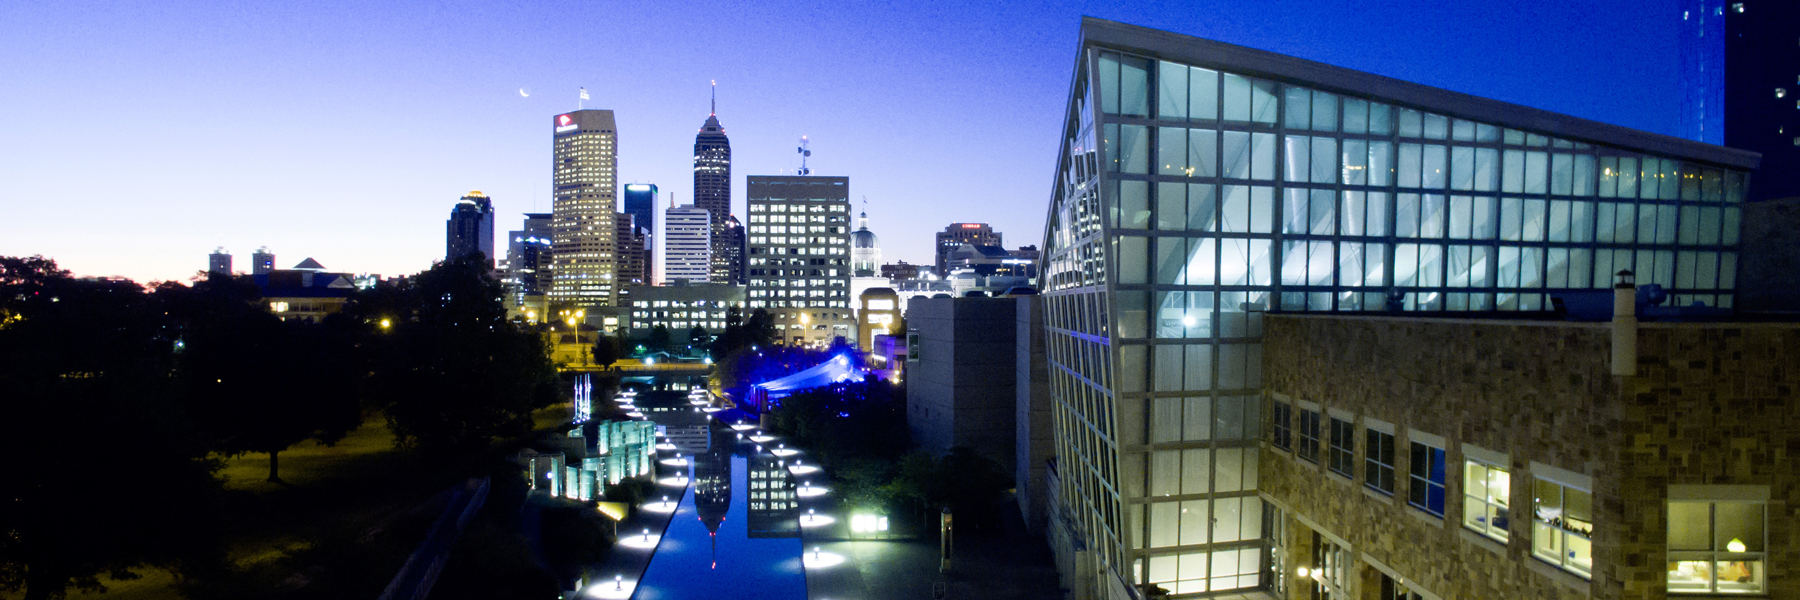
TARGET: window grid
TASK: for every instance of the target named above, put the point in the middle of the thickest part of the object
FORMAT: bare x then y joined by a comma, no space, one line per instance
1562,526
1281,431
1487,490
1717,547
1343,448
1309,436
1426,491
1378,468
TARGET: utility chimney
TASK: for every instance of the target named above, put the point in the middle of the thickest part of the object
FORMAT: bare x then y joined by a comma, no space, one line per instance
1624,325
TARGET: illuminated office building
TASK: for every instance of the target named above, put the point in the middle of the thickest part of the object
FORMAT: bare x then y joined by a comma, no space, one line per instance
584,204
799,256
686,244
1202,185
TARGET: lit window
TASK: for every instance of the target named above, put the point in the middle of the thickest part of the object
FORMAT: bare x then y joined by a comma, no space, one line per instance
1487,489
1737,6
1562,526
1716,546
1780,92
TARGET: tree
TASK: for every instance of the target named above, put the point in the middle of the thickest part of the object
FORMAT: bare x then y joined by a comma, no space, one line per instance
458,375
90,413
660,340
255,383
699,338
606,349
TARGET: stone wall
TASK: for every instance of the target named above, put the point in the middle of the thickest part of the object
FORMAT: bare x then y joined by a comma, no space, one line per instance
1712,405
1539,391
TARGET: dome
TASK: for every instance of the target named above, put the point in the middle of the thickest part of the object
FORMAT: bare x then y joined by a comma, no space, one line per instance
863,238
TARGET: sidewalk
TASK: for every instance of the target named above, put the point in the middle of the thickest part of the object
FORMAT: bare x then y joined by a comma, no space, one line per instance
633,550
1009,564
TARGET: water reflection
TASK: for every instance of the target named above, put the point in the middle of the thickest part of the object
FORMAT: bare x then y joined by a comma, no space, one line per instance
705,553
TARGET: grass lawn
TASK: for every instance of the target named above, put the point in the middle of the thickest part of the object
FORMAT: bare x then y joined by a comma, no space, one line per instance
340,526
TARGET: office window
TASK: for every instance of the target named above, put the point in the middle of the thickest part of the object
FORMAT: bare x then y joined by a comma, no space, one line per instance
1562,526
1717,547
1398,590
1343,448
1426,489
1378,464
1309,435
1487,489
1281,434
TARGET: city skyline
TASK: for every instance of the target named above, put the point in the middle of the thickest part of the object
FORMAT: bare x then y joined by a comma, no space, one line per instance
414,120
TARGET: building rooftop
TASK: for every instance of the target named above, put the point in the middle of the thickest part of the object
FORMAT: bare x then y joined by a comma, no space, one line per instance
1318,75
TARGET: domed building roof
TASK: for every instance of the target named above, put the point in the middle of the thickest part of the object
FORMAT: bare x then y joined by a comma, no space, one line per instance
862,237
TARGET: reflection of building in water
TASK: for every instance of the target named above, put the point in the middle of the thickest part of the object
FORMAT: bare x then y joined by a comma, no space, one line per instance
690,439
773,507
712,487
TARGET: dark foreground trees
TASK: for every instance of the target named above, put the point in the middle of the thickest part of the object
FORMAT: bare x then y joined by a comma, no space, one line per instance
114,401
104,470
255,383
452,373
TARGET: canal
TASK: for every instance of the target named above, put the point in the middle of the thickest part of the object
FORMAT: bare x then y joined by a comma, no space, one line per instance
735,533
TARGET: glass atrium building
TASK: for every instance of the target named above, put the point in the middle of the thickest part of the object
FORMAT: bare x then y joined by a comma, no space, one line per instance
1201,184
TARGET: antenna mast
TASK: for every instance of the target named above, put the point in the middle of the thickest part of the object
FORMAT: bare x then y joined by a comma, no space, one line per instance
804,153
715,97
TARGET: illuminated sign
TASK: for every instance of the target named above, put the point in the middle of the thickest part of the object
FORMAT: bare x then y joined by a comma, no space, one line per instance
964,225
636,187
565,123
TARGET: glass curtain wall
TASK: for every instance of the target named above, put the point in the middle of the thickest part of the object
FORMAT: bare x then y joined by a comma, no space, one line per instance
1192,200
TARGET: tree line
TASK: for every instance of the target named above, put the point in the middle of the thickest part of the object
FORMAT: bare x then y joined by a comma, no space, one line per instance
117,402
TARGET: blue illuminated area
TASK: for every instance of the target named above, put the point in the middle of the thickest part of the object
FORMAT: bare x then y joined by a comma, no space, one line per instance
1202,185
715,551
837,369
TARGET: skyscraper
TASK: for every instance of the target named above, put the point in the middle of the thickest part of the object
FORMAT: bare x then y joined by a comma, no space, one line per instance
584,205
799,255
956,234
630,253
640,203
470,228
1740,76
219,262
687,244
536,225
734,250
712,190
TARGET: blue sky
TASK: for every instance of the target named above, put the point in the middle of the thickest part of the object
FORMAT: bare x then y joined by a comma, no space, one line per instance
137,136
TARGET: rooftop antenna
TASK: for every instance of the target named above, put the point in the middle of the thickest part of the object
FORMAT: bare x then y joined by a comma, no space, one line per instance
804,153
715,97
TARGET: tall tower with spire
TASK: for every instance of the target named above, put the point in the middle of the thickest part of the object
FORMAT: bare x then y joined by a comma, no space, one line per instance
712,190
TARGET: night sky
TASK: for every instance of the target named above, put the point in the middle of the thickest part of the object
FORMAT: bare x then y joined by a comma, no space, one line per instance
137,136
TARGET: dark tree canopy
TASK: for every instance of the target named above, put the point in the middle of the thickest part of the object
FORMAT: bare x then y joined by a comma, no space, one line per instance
255,383
104,472
457,374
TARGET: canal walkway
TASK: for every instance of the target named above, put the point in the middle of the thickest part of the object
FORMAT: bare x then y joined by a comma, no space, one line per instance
754,519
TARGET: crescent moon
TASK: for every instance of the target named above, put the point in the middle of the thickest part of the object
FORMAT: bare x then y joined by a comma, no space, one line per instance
524,93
